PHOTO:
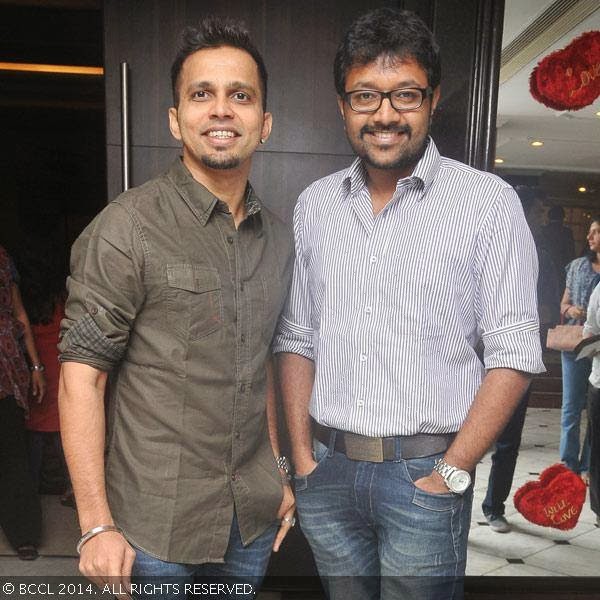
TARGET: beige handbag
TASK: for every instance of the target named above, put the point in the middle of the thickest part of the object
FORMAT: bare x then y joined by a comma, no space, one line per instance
564,337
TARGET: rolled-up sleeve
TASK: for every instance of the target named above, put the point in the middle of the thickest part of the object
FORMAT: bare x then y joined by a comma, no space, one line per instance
295,331
106,290
505,303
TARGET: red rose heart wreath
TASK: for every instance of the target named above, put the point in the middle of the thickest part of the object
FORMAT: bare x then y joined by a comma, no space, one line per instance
569,79
554,500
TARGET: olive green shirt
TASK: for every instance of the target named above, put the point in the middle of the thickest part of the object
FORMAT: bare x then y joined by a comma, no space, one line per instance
181,307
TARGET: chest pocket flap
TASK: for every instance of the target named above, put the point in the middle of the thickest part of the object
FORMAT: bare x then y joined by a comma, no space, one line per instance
193,278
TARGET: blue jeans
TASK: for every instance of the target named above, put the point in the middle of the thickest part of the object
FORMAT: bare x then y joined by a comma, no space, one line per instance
575,376
504,461
375,535
239,577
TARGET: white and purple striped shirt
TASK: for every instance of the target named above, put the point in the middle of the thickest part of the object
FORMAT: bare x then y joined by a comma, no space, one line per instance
391,307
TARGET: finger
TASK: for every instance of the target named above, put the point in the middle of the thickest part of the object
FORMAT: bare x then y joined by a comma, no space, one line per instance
283,530
128,561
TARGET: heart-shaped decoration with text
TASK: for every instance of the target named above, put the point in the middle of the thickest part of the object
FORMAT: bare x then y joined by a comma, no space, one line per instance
569,79
554,500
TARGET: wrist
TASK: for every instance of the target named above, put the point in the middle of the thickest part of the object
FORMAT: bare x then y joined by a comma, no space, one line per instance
37,366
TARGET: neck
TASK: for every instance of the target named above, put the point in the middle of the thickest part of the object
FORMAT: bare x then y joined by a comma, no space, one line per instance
228,185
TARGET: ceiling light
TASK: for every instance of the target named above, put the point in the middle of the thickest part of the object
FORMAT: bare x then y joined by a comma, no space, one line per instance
39,68
537,143
582,189
499,161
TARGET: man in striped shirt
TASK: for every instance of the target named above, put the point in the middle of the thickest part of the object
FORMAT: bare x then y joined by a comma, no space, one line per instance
404,262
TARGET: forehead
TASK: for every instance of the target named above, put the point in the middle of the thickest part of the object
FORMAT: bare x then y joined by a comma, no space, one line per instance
387,72
218,65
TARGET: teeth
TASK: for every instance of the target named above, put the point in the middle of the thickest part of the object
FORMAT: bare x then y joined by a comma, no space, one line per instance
221,134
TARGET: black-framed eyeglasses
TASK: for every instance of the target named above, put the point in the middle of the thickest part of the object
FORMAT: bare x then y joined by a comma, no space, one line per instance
402,99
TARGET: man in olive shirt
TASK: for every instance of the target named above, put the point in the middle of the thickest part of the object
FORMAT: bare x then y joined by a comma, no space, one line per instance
175,290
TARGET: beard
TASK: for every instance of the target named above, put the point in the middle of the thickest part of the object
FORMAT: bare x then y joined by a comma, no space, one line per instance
214,161
409,156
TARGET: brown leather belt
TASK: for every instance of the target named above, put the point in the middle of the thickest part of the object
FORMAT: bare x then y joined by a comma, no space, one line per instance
377,449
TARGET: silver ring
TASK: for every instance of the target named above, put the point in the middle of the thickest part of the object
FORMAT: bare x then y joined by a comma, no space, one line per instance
291,521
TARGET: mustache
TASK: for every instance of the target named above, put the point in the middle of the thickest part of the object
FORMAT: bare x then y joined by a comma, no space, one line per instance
388,128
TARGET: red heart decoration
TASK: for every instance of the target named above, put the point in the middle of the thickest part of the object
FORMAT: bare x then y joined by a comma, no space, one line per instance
569,79
554,500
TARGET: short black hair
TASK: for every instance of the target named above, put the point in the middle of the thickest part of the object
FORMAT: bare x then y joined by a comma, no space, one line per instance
214,32
556,213
394,34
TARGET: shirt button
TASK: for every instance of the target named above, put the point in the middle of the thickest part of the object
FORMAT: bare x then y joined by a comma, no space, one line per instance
234,477
243,338
94,310
242,388
368,310
241,286
360,403
230,239
363,357
373,259
237,435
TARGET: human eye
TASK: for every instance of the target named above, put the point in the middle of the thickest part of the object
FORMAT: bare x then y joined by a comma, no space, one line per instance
241,97
200,95
408,95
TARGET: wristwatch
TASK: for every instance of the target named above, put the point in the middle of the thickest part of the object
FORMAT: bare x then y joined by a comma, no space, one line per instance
456,479
282,465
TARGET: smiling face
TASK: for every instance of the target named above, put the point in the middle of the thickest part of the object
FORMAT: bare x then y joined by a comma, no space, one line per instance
219,119
593,237
388,139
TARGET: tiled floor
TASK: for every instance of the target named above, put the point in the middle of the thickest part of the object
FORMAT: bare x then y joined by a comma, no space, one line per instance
530,549
527,550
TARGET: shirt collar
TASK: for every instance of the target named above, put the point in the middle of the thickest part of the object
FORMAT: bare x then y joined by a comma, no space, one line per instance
201,201
423,176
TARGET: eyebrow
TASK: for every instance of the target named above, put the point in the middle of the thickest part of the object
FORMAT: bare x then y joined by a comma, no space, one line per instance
369,85
230,85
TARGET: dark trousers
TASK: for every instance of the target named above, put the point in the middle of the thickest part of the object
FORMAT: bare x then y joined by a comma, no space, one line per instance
504,461
20,510
593,409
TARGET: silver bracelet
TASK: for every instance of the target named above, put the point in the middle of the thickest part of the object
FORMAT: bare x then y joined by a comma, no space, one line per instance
88,535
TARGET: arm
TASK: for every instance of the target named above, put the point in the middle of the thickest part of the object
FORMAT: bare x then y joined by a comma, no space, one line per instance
38,381
81,405
570,311
288,503
494,404
297,375
506,314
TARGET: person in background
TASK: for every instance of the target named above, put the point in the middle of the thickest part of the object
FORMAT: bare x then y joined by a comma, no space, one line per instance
43,292
558,239
582,276
20,510
506,450
592,327
405,261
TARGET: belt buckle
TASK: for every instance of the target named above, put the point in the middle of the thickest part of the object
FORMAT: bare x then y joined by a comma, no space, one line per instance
360,447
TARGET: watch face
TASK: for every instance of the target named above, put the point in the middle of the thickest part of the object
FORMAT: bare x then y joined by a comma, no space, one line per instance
459,481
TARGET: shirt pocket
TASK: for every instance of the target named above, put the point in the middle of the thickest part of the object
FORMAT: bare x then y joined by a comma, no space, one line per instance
194,300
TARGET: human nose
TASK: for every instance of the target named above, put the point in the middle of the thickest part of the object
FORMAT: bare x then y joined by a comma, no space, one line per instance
221,106
386,112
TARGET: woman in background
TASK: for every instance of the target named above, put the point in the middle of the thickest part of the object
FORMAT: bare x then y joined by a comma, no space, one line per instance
43,290
20,511
582,276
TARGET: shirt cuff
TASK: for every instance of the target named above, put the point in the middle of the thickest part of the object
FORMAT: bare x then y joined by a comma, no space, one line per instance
519,350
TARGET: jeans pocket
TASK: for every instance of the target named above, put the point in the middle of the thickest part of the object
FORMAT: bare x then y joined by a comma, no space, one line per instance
415,469
320,453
